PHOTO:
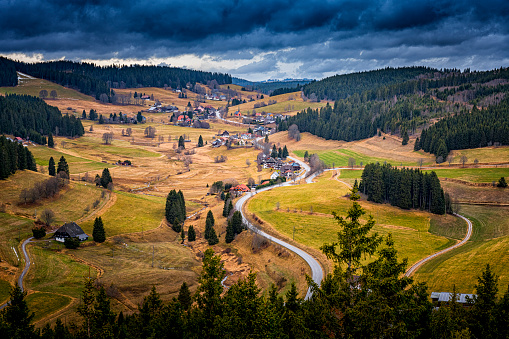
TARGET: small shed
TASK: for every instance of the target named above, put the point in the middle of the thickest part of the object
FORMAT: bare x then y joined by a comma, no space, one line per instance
70,230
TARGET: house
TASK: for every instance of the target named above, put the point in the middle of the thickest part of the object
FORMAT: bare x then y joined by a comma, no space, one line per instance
296,166
237,114
240,188
445,297
70,230
269,163
274,175
216,143
18,139
225,134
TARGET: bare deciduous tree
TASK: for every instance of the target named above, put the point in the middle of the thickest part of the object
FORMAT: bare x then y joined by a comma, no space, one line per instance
150,132
351,162
47,216
250,182
463,160
248,163
53,94
108,138
43,94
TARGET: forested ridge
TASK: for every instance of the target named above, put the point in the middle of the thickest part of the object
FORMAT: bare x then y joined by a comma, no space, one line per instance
95,80
30,117
14,156
479,128
8,76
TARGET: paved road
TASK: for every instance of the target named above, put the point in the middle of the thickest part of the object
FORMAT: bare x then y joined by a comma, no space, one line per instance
27,266
414,267
316,269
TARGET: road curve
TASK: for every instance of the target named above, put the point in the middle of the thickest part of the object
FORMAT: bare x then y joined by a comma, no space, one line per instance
25,270
415,266
316,269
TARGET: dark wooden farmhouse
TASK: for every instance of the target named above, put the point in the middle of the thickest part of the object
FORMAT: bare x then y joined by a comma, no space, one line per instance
70,230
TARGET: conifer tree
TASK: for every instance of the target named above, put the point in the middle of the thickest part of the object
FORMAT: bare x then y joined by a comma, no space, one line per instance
63,166
98,232
230,234
51,167
237,222
502,183
181,142
51,143
353,240
417,145
86,307
17,316
182,235
191,234
405,138
200,141
106,178
285,152
209,224
184,296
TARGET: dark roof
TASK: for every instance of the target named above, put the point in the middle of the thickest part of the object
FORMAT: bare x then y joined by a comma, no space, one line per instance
71,228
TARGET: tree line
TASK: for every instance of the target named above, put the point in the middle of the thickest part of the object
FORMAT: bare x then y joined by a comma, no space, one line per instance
14,156
27,116
8,75
95,80
479,128
406,188
365,296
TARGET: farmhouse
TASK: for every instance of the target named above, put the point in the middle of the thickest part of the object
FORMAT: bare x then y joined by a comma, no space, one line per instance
70,230
240,188
444,297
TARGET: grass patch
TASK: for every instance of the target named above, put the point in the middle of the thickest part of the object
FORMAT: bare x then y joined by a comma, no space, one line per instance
90,146
485,154
55,272
13,229
409,228
493,221
43,304
34,86
76,164
5,289
69,204
448,226
339,158
473,174
130,213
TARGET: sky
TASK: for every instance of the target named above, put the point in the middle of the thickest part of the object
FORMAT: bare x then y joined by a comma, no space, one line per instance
260,39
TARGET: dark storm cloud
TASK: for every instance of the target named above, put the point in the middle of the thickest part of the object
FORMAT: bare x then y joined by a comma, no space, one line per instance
322,33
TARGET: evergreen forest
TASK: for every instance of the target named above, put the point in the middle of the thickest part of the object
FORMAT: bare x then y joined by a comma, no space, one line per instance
14,156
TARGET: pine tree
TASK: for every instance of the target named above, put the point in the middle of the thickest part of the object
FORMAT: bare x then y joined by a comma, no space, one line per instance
353,240
86,309
417,145
184,296
200,141
51,167
104,317
405,138
273,154
285,152
230,234
51,143
213,239
63,166
106,178
17,316
191,234
237,222
98,232
209,224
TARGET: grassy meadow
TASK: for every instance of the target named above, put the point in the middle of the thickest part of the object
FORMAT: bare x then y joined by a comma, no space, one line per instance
409,228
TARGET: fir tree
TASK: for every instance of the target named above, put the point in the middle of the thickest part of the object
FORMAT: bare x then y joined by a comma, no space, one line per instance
106,178
181,142
51,143
237,222
200,141
51,167
230,234
191,234
405,138
184,296
17,316
285,152
98,232
502,183
417,145
63,166
209,224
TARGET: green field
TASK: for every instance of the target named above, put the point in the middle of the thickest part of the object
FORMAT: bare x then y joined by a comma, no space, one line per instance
409,228
34,86
462,266
76,164
339,158
282,107
130,213
43,304
13,229
473,174
94,146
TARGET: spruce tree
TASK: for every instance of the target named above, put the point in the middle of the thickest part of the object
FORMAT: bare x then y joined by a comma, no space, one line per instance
51,143
106,178
200,141
191,234
502,183
405,138
98,232
63,166
209,225
51,167
213,239
181,142
182,235
184,296
236,222
417,145
230,234
285,152
273,154
17,316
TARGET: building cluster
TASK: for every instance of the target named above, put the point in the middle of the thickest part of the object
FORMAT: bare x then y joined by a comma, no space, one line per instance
240,139
281,168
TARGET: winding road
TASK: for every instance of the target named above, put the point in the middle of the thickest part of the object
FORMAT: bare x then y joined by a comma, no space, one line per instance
415,266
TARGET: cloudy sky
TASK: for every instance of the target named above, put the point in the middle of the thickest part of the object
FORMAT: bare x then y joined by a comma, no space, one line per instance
261,39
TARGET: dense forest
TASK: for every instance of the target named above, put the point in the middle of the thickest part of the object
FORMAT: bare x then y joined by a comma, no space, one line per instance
396,101
8,76
95,80
406,188
479,128
267,87
175,210
30,117
14,156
